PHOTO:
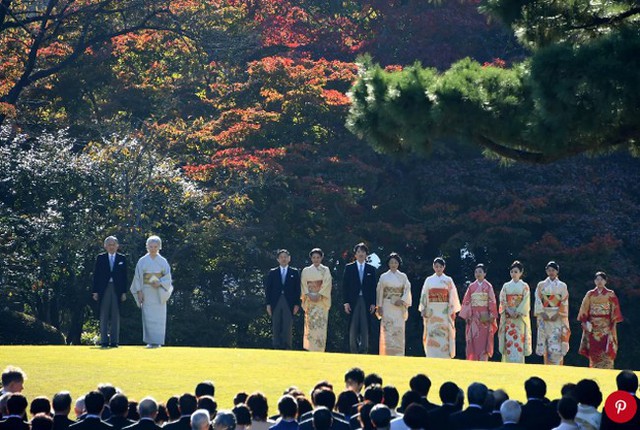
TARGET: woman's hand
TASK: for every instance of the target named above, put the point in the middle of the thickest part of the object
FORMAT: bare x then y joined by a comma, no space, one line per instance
140,297
399,302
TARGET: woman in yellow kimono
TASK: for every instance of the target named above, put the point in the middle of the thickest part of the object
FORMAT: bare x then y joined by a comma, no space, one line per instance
316,301
514,334
393,298
439,304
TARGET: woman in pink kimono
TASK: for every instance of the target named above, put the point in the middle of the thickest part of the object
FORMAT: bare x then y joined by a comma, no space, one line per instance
514,334
480,311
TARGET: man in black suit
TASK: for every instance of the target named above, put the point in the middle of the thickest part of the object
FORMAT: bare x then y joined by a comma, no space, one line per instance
282,287
473,417
61,407
16,407
421,383
510,411
359,287
93,403
119,405
187,405
148,409
109,289
324,397
625,381
439,417
536,413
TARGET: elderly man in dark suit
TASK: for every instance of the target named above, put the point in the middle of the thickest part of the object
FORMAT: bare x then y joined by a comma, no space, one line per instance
359,287
109,290
94,403
282,286
148,409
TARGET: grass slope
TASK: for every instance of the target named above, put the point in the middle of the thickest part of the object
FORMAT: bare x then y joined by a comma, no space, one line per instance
172,370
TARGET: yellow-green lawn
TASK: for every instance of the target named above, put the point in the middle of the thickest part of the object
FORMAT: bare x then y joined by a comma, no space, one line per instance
171,370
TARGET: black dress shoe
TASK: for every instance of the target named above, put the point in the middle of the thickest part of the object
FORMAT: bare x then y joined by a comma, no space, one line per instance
113,345
104,346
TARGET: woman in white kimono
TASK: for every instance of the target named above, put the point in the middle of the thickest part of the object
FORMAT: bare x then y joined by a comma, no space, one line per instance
316,301
151,288
393,300
439,304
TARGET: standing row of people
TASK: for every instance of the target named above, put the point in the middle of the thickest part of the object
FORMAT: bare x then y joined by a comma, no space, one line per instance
389,298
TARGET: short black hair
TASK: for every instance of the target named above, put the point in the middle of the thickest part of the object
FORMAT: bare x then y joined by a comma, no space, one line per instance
323,384
477,393
361,246
205,388
209,404
391,396
94,402
553,265
304,405
449,392
287,406
132,413
394,256
282,251
61,401
440,261
119,405
243,414
416,417
568,390
40,405
363,415
259,406
355,374
16,404
627,381
316,251
346,400
518,265
324,397
322,418
500,396
408,398
602,275
481,266
172,408
12,374
380,416
535,387
162,415
588,392
420,383
374,394
42,421
188,404
108,391
240,397
567,408
372,378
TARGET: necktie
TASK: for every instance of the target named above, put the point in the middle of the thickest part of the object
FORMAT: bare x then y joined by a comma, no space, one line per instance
361,270
111,258
282,275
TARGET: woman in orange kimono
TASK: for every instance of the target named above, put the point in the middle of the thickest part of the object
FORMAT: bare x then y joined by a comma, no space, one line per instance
480,311
599,315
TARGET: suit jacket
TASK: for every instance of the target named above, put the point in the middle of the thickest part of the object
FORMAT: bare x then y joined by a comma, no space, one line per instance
470,418
285,425
339,423
145,425
91,423
61,422
14,423
607,424
184,423
351,284
102,273
428,405
291,288
536,415
119,423
510,427
439,417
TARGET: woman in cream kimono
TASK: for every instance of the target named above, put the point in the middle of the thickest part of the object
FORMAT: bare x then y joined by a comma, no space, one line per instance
439,304
551,309
151,288
393,299
316,301
514,334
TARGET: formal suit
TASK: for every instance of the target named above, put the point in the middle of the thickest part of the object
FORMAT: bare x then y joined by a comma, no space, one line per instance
537,415
607,424
439,417
91,423
110,283
427,404
184,423
471,418
14,423
510,426
119,422
62,422
282,297
145,424
360,294
339,423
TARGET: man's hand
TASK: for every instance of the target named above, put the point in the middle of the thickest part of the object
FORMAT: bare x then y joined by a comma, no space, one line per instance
372,309
269,310
123,297
95,296
380,312
296,309
347,308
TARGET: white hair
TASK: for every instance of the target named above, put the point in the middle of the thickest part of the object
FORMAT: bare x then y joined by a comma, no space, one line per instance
147,407
80,407
113,238
154,239
510,411
200,419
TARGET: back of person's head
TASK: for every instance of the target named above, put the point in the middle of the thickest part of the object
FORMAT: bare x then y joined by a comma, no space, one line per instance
363,415
242,414
324,397
241,397
148,407
477,393
208,403
569,390
380,416
172,408
94,402
355,374
287,406
459,400
293,391
374,394
107,390
205,388
304,405
391,396
627,381
40,405
323,384
188,404
535,388
510,411
12,375
132,413
408,398
200,420
567,408
224,420
500,396
163,415
589,393
322,418
42,421
16,404
449,392
421,384
372,378
61,402
489,402
79,407
416,417
119,405
259,406
345,401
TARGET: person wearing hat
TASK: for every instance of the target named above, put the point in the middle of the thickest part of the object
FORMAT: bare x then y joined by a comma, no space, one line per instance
552,312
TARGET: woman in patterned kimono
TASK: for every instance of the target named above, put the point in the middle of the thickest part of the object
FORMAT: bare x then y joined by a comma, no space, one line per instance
439,304
480,311
316,301
393,300
599,315
151,288
551,310
514,334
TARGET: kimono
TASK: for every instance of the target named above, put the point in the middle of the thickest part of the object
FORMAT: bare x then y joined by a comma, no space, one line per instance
514,334
393,287
479,334
316,282
154,308
599,314
439,303
552,299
